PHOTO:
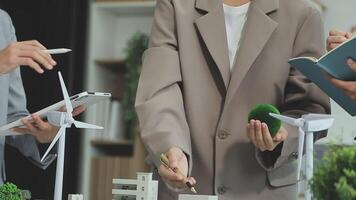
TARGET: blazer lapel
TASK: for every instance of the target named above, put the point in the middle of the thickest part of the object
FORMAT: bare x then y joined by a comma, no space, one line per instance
258,29
211,27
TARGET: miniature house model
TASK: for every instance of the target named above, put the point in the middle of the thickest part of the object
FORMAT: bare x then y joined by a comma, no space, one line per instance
143,188
75,197
197,197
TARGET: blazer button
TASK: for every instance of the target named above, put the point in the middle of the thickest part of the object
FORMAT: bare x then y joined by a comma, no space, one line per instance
222,190
222,135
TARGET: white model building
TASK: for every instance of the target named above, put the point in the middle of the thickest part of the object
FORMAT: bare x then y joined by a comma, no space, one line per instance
143,188
75,197
196,197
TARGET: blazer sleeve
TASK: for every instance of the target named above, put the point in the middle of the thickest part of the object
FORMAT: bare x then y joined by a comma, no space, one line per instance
159,100
26,144
301,95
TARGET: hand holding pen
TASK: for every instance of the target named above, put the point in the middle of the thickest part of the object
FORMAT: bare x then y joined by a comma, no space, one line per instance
28,53
174,169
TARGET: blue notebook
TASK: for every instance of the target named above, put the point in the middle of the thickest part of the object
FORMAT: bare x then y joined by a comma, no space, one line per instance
333,63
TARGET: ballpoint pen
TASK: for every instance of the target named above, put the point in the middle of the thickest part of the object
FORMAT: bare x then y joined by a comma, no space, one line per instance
165,162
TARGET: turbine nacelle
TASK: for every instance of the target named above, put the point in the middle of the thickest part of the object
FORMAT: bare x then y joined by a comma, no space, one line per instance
60,119
68,119
317,122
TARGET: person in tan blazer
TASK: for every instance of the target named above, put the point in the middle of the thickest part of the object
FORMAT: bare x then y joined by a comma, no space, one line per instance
194,108
336,38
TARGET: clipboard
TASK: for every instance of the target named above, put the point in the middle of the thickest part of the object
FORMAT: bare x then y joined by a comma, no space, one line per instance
82,99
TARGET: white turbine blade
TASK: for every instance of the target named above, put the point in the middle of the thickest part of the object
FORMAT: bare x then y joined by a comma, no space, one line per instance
300,150
79,124
285,119
68,104
60,132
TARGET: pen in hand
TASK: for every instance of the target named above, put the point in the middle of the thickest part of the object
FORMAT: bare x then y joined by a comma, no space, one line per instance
57,51
164,160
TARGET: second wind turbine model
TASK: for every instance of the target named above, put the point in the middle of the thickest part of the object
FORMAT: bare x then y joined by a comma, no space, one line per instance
307,125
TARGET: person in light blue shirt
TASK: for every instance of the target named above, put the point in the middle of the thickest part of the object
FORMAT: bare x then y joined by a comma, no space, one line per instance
336,38
13,99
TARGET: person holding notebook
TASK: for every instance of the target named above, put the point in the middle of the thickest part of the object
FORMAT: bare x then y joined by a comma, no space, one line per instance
208,64
13,98
334,39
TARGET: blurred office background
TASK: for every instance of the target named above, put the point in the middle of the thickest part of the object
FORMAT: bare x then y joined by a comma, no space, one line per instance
98,32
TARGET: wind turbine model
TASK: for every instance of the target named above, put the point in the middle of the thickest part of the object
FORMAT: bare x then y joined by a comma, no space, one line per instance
307,125
63,120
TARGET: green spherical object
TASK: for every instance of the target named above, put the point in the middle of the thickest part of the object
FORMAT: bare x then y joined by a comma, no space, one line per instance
261,113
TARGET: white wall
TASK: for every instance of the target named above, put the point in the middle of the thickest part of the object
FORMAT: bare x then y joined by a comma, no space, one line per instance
341,14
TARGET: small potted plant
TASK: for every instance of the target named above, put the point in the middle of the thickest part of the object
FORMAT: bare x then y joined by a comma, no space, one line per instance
335,177
134,51
10,191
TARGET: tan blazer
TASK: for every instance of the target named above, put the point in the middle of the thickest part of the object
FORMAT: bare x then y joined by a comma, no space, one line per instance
188,98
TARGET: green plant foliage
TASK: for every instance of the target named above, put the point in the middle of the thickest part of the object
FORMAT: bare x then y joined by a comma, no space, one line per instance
261,112
335,177
9,191
134,50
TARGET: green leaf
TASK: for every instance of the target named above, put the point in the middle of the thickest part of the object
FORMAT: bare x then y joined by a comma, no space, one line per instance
335,177
9,191
134,51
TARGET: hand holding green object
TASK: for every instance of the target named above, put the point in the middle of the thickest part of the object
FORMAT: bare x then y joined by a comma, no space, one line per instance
265,132
261,113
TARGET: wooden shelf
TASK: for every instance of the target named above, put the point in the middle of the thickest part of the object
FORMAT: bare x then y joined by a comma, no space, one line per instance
116,65
104,159
127,7
114,72
113,147
98,142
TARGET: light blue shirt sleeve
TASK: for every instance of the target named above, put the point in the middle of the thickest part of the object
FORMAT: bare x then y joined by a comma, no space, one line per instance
16,109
